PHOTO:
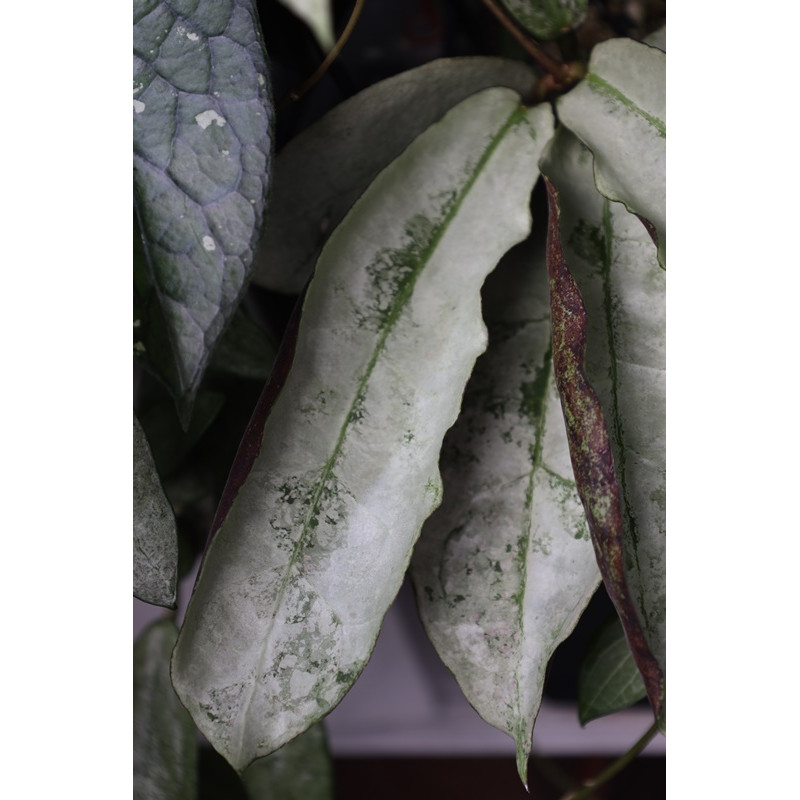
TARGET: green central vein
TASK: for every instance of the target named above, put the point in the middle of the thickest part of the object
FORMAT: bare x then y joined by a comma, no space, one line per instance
604,87
398,305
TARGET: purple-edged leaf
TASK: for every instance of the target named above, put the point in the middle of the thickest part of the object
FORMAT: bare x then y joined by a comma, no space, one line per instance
312,549
164,736
633,572
320,173
155,536
505,566
619,112
202,121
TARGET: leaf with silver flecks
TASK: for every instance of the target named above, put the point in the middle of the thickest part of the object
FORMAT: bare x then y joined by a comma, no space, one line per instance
609,299
300,770
320,174
202,120
164,736
318,15
505,566
313,548
619,112
155,537
608,680
547,19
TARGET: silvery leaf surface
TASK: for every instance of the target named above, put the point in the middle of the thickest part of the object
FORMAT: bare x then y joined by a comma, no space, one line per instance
505,566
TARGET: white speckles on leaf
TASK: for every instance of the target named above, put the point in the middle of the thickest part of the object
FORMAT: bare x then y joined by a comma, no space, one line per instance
209,244
206,118
138,106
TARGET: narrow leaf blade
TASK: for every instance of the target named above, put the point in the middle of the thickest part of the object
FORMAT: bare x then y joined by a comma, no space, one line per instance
313,549
155,536
619,112
505,566
548,19
320,174
608,341
609,679
164,736
202,120
300,770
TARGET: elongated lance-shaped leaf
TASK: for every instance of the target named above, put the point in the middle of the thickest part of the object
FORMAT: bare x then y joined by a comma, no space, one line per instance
320,174
164,736
505,566
547,19
609,679
609,349
155,536
619,112
300,770
313,549
201,161
318,15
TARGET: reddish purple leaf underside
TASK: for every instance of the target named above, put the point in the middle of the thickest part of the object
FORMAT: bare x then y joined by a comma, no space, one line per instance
589,446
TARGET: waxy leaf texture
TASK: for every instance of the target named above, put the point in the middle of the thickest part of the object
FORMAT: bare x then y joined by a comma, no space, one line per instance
202,120
619,112
320,173
314,546
505,566
608,298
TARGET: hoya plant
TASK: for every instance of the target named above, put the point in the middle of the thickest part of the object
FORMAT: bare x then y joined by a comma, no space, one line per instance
423,334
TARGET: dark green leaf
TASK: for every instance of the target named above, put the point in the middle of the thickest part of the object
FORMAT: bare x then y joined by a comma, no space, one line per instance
202,121
155,542
311,552
548,19
164,736
244,350
300,770
609,679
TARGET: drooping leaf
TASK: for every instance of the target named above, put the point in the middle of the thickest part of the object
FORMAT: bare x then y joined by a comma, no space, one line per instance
609,679
313,548
608,299
164,736
318,15
155,538
300,770
320,173
547,19
202,123
619,112
505,566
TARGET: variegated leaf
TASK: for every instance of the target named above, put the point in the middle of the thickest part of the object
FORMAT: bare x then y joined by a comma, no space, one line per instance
505,566
312,550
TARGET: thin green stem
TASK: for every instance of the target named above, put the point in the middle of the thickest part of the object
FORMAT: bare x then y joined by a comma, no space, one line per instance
610,771
297,93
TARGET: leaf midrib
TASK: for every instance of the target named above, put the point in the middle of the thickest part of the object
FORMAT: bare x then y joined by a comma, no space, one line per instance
604,87
401,299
